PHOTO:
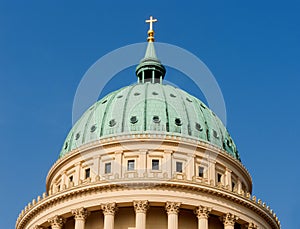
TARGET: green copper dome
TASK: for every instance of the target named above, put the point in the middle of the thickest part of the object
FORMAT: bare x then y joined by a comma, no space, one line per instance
149,108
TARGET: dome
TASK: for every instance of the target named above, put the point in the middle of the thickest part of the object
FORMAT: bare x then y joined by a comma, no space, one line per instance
149,108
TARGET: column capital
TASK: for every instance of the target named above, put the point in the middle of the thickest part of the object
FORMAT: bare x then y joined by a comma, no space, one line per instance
251,226
80,213
172,207
109,208
202,212
229,219
57,221
141,206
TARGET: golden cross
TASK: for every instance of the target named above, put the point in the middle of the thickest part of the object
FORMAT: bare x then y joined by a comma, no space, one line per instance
151,21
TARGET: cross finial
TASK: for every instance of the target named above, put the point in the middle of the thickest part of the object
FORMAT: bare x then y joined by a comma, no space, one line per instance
151,31
151,21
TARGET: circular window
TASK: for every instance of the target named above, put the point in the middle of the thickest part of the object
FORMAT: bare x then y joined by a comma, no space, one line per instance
66,145
178,122
133,119
173,96
156,119
215,133
198,126
112,123
77,136
93,128
119,96
154,93
189,100
136,94
104,101
228,143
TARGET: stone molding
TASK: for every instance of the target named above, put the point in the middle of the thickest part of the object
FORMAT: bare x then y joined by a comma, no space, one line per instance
57,221
92,188
109,208
172,207
202,212
38,227
80,213
141,206
229,219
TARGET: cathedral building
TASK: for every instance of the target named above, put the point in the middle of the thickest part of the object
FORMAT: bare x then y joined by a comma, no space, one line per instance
148,156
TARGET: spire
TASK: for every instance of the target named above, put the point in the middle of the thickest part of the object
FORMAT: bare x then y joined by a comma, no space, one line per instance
150,68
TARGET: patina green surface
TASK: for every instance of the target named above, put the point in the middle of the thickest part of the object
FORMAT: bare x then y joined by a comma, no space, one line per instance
148,108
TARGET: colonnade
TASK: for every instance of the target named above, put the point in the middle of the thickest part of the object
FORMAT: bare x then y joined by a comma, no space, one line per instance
141,207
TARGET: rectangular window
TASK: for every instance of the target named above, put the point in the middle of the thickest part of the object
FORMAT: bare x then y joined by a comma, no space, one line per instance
178,167
130,165
219,177
87,173
107,168
200,171
71,178
155,164
233,185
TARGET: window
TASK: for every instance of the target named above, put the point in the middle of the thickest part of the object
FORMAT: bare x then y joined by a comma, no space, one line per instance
107,168
71,178
178,167
200,171
155,164
219,177
130,165
233,185
87,173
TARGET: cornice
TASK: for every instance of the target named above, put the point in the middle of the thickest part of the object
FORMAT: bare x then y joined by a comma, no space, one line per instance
178,185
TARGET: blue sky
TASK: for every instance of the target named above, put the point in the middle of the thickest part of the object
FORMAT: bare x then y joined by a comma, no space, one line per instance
252,48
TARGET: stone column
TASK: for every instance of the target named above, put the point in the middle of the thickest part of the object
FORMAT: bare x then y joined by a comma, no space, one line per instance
140,207
202,215
56,222
109,210
172,209
228,182
80,216
229,220
212,172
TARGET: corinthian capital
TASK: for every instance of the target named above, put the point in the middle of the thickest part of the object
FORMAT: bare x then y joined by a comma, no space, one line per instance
109,208
251,226
229,219
141,206
57,221
202,212
80,213
172,207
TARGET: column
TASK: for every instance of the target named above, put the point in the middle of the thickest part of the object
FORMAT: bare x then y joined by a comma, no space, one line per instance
140,207
80,216
239,186
109,210
202,215
212,172
172,209
228,182
56,222
229,220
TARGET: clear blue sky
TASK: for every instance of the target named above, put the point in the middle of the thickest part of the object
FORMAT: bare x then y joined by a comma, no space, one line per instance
252,48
